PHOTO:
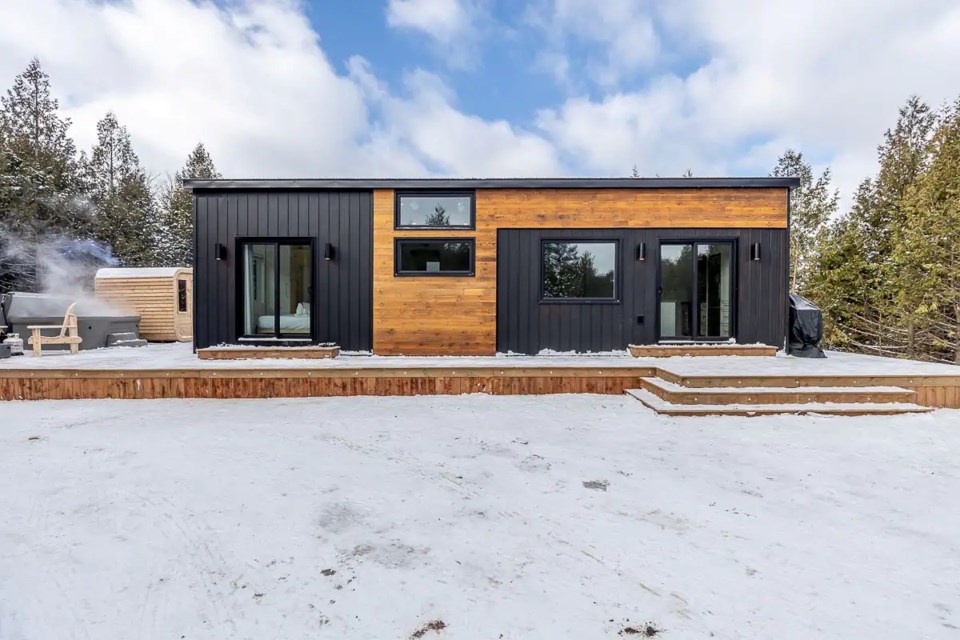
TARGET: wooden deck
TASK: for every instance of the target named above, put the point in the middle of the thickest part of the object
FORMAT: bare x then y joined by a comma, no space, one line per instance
301,380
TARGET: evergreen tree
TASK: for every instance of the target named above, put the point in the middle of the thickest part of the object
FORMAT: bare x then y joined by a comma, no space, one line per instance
121,192
812,205
40,189
438,218
927,258
838,270
174,231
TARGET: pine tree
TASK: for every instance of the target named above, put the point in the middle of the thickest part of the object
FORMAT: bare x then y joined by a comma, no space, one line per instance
927,258
812,205
40,189
121,192
174,232
838,270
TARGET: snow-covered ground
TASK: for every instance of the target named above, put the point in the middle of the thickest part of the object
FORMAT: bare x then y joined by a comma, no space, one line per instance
498,516
181,356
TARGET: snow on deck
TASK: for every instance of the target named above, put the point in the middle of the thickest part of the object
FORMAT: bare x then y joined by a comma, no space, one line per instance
139,272
513,517
181,356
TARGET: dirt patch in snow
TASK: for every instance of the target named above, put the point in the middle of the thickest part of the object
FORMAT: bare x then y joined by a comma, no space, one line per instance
599,485
433,625
648,630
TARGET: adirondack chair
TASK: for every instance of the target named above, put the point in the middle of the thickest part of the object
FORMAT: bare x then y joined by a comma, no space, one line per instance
68,334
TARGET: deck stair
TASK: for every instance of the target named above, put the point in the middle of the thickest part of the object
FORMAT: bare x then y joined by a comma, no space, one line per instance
674,399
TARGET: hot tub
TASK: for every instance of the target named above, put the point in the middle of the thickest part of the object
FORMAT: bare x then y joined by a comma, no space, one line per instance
96,321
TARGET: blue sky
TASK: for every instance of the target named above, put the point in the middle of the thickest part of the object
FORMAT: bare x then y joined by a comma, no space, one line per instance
500,81
490,88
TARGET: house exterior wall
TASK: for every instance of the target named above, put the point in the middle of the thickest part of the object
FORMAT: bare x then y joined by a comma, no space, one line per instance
526,324
359,303
342,288
459,315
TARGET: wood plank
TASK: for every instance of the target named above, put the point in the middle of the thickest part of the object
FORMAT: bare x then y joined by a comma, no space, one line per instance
267,353
672,350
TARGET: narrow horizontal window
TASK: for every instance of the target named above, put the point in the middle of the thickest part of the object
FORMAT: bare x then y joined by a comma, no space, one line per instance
441,210
434,257
581,270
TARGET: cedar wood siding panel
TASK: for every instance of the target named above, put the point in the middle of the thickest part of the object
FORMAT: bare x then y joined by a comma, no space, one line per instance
460,315
341,287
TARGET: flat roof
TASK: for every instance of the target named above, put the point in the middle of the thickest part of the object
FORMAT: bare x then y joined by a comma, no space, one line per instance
492,183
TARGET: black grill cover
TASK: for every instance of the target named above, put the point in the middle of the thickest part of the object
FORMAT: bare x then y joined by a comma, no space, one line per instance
806,328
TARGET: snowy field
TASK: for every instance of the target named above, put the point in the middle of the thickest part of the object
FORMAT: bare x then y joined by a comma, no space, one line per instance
181,356
472,517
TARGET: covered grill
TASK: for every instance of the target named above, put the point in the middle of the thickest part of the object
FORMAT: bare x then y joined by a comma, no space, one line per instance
98,324
806,328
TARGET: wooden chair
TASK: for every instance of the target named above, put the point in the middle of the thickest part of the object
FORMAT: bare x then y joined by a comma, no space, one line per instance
68,333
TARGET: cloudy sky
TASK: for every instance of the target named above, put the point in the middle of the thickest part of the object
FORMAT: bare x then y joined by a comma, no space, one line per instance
491,88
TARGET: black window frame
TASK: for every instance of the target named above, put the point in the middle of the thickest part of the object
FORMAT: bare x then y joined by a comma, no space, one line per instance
401,273
276,337
734,243
426,193
617,271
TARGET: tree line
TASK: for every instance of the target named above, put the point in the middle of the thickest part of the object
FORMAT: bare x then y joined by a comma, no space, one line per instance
104,198
886,272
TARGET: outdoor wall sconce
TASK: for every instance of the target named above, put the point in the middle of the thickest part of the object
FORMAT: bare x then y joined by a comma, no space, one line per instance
641,252
328,252
220,251
755,252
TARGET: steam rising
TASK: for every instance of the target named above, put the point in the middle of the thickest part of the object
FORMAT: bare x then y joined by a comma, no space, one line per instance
56,265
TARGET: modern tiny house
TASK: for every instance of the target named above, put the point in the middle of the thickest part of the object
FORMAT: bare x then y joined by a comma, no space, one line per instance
476,267
163,297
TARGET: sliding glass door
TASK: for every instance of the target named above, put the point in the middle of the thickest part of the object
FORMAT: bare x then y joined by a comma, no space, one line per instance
277,290
696,291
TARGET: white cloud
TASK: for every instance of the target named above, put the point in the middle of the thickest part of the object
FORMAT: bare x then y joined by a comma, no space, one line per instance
823,76
251,80
452,25
252,83
623,31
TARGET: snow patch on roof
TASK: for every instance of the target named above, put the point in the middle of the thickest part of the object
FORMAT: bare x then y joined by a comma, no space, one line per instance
146,272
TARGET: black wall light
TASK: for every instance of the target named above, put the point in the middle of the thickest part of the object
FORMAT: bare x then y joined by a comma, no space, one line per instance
641,252
220,251
755,252
328,252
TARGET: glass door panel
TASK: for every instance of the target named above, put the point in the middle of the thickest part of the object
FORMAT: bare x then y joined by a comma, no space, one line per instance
676,291
295,290
259,299
714,290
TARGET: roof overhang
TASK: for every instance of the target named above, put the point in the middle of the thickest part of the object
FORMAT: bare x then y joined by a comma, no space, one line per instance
364,184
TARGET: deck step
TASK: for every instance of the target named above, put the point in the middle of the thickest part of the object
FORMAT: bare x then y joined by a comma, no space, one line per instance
669,350
664,407
679,394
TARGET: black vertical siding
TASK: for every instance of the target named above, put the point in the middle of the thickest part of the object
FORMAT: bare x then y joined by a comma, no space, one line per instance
342,288
527,325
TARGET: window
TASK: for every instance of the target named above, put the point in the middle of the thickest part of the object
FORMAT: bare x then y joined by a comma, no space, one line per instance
181,295
580,270
434,257
277,286
437,210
